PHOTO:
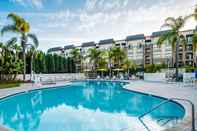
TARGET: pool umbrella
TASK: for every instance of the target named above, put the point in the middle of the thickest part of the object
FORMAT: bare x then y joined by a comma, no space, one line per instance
87,70
118,70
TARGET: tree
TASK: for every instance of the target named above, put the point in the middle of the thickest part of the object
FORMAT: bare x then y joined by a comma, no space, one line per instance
22,27
128,64
76,56
117,55
94,55
110,56
194,37
173,36
32,53
194,42
11,65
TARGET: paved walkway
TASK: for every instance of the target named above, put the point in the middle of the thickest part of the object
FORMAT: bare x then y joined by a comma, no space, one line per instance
170,90
154,88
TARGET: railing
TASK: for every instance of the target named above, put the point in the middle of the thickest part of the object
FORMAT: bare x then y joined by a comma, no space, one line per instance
164,102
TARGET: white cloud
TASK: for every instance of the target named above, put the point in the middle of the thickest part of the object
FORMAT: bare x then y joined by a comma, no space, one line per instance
37,3
21,2
100,19
90,4
28,3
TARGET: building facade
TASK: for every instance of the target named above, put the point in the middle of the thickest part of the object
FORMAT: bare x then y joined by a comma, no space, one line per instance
143,50
67,50
135,48
84,52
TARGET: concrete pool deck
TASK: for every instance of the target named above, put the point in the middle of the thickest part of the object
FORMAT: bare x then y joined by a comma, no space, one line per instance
167,90
170,90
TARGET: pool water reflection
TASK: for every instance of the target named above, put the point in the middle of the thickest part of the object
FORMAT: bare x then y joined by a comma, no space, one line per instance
82,106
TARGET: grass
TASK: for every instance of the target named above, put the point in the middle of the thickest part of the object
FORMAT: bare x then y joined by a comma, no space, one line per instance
9,84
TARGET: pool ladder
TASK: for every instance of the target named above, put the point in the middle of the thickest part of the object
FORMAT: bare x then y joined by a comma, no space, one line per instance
165,122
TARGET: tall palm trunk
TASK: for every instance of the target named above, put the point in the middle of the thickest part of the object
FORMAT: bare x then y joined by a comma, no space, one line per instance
177,61
32,58
110,70
23,42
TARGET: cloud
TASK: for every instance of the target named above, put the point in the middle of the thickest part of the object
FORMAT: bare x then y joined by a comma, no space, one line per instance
29,3
21,2
101,19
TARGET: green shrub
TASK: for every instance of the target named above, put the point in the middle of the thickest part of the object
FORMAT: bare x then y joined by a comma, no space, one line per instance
153,68
189,69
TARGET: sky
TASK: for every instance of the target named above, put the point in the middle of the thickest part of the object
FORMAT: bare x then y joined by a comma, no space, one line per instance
64,22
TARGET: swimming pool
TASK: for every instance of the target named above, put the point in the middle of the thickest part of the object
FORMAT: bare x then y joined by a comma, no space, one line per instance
84,106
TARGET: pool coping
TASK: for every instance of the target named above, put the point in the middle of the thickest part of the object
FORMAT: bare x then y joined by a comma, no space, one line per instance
181,125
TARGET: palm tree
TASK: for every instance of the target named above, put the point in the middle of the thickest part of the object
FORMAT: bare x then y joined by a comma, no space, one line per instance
173,36
117,55
194,42
194,37
128,64
22,27
32,54
94,55
10,64
110,56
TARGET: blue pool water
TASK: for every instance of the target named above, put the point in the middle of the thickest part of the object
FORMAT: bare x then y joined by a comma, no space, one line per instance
83,106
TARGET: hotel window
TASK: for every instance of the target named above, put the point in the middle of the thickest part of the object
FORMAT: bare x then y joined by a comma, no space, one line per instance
189,39
139,45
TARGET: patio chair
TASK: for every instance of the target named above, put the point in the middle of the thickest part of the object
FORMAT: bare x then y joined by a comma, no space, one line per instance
114,78
121,77
107,77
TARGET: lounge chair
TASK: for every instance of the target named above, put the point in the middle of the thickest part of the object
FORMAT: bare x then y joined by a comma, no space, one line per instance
107,77
114,78
121,77
98,77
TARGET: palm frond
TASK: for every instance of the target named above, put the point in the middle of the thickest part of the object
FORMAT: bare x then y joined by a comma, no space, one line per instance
169,22
164,38
180,22
9,28
166,25
170,19
173,41
189,16
34,39
183,39
16,19
195,13
11,42
194,41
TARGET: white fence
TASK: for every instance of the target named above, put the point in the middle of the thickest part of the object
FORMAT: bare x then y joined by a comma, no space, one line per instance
154,76
162,76
55,77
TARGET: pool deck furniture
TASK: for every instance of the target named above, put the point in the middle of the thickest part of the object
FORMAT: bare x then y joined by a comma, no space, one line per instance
163,89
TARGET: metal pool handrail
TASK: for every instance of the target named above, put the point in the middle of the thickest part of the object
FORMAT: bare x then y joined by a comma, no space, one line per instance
164,102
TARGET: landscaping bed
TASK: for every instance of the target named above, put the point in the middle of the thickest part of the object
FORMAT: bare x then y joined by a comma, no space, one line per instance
9,84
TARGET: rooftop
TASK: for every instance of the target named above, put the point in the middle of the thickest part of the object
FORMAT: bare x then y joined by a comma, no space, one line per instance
88,44
69,47
55,49
159,33
135,37
106,41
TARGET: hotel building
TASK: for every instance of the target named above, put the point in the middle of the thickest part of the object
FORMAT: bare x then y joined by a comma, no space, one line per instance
135,48
141,49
